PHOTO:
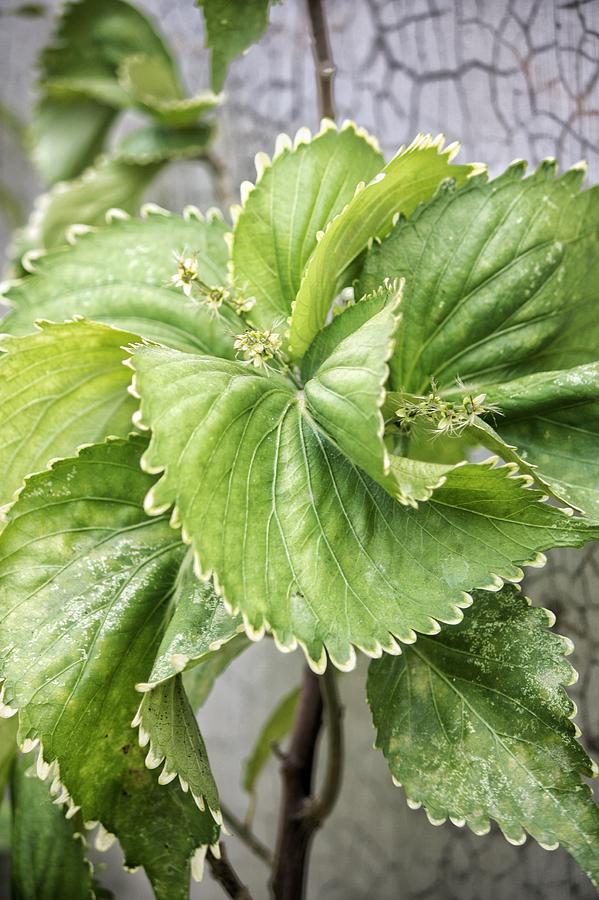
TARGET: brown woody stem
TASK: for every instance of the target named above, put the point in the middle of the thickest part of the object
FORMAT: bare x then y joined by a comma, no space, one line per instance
223,872
323,58
302,814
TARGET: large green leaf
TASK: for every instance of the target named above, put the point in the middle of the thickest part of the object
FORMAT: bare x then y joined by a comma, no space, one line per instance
300,540
304,187
411,177
501,280
120,274
231,27
476,725
85,581
60,387
200,625
168,725
47,850
78,79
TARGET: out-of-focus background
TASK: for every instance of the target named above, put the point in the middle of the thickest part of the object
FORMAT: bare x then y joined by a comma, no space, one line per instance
509,78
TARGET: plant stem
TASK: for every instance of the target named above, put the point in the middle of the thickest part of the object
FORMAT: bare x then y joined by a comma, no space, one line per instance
295,831
245,834
223,872
333,714
301,813
323,58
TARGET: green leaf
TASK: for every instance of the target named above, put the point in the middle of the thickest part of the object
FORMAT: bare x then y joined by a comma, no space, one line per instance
476,726
153,85
120,274
553,419
481,433
47,850
277,727
65,137
108,183
200,625
8,752
200,679
346,393
85,581
168,725
78,80
347,365
500,280
414,480
411,177
304,543
157,143
231,27
61,387
295,195
119,180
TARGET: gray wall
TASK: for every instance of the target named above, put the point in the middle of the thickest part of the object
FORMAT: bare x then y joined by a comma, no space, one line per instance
511,79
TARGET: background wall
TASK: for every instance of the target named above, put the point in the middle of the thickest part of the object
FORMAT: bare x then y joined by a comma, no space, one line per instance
510,78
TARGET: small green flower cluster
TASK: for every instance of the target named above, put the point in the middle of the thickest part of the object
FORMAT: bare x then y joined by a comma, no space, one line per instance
187,278
447,417
258,347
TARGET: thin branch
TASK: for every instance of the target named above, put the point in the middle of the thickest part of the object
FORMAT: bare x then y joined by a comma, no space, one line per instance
333,714
245,834
223,872
323,57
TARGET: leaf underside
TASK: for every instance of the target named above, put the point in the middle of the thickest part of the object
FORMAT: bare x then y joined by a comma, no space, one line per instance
199,626
169,728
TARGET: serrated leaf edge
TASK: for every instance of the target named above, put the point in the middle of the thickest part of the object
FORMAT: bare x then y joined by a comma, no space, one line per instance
256,633
155,757
284,146
567,649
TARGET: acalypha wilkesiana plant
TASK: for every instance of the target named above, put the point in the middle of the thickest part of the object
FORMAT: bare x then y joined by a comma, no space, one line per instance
214,433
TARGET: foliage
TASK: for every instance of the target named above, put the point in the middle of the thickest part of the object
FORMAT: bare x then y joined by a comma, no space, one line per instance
214,433
106,58
232,26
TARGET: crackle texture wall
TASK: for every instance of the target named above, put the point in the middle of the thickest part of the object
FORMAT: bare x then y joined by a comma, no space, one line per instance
510,78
